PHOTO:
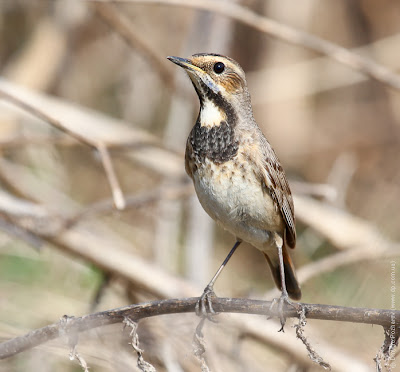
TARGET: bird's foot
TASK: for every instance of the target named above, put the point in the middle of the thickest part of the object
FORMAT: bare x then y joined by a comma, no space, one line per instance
204,306
281,303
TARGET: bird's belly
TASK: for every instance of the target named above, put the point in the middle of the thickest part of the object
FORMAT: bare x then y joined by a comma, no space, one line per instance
235,198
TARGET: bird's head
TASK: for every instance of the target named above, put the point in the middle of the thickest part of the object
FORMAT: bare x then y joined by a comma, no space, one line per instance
218,80
213,72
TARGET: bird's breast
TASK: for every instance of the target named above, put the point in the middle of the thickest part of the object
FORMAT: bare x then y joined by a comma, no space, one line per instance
232,194
216,142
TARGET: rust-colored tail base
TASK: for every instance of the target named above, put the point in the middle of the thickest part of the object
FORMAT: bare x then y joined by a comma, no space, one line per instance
292,285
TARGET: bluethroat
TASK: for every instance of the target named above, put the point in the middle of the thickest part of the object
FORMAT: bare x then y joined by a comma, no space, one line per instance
236,174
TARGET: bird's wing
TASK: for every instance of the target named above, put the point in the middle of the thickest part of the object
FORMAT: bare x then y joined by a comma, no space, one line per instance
279,190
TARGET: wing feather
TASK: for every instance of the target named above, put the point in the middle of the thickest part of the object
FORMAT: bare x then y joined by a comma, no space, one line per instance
279,189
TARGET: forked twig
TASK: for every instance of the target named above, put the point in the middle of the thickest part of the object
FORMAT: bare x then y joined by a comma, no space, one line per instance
99,146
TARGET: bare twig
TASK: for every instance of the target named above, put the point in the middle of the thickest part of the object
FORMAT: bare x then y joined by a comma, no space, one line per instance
110,14
111,176
169,192
313,355
75,355
322,191
100,128
387,351
187,305
141,363
288,34
344,258
22,141
99,146
348,256
28,67
199,347
333,76
328,220
133,201
20,233
43,116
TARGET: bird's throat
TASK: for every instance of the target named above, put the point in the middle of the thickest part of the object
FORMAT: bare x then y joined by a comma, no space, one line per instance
213,137
211,115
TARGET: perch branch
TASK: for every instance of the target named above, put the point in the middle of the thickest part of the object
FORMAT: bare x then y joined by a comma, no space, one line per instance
75,326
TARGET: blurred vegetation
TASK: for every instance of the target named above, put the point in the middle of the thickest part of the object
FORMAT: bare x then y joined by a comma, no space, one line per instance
328,124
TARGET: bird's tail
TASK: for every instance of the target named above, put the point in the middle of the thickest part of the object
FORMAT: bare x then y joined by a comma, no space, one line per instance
292,285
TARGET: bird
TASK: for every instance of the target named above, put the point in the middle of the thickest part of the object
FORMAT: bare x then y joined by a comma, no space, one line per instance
237,176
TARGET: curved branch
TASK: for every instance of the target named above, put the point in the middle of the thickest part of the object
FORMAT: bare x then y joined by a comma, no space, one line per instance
71,327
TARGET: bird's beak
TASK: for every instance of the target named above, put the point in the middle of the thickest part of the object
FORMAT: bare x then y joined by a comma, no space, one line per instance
195,73
185,63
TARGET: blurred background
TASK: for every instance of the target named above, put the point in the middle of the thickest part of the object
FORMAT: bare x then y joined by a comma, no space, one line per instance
101,70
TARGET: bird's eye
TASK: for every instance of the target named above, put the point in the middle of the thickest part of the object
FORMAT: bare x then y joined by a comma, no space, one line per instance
219,68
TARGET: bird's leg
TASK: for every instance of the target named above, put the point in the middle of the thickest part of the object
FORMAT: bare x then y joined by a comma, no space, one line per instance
284,296
204,305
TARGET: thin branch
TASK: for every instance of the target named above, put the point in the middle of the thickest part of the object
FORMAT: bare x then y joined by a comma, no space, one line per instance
322,191
116,134
43,140
288,34
118,196
145,198
344,258
98,145
333,76
312,354
386,353
27,107
327,220
74,355
141,363
122,25
199,347
74,326
20,233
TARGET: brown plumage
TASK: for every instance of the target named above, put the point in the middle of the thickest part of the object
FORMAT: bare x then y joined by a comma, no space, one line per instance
236,174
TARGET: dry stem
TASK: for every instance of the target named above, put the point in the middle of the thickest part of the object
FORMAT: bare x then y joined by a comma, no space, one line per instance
187,305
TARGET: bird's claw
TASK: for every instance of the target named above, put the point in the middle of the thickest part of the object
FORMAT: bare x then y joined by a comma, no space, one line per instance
280,303
204,306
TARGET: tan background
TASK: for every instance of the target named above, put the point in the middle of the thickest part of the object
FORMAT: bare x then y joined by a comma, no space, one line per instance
329,125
